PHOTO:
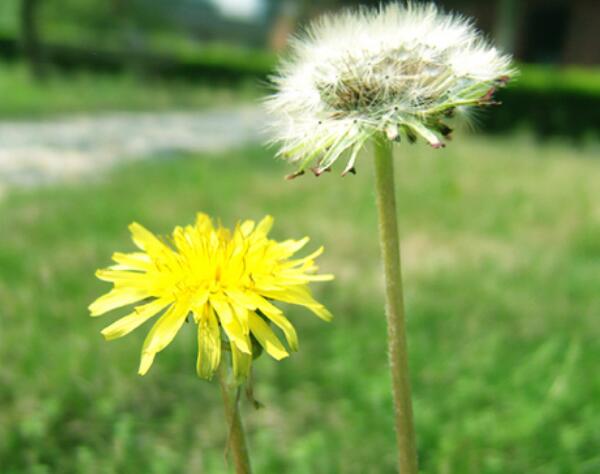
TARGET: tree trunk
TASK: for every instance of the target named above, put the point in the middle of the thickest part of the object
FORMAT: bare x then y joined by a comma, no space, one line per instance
30,37
507,24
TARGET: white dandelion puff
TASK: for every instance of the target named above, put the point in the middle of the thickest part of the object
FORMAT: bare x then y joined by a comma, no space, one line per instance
401,70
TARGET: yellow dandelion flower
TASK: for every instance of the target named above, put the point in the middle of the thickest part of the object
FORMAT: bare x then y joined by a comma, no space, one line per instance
226,281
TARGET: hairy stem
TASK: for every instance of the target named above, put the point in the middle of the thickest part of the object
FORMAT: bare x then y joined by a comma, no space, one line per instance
397,349
236,440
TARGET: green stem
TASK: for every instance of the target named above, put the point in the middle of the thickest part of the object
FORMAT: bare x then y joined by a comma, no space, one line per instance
397,350
236,440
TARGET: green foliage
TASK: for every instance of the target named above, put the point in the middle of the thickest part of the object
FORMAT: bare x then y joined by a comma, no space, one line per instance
91,22
501,259
555,79
227,57
551,101
134,35
9,23
62,93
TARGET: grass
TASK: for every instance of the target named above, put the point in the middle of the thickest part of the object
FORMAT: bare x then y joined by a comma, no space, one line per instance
501,245
62,93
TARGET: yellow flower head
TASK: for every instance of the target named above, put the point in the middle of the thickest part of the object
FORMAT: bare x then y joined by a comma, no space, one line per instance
225,280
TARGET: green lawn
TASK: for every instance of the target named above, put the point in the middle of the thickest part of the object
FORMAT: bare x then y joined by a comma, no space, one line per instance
501,245
63,93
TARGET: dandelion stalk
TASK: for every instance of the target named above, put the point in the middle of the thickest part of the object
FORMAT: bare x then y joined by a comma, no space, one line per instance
236,439
397,347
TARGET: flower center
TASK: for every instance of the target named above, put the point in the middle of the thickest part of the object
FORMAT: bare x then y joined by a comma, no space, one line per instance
372,83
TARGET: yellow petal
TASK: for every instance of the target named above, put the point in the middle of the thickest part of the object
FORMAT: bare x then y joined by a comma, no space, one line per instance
162,333
300,261
231,325
301,296
236,335
245,299
132,261
276,316
209,345
144,239
200,300
203,222
321,311
130,322
241,314
322,277
146,362
266,337
247,227
115,299
290,247
264,226
122,277
222,308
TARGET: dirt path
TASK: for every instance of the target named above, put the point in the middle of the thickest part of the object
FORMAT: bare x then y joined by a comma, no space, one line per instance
56,149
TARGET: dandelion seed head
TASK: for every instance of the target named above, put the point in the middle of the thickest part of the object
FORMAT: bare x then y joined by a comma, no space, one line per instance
399,70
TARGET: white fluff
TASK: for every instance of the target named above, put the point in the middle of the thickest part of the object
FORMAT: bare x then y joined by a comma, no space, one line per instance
393,71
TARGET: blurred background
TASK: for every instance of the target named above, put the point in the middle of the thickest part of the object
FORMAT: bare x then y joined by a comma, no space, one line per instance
147,110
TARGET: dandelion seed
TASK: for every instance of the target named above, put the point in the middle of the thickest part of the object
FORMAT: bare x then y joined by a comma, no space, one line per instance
227,281
397,71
